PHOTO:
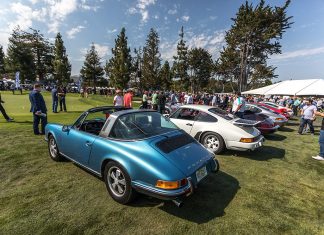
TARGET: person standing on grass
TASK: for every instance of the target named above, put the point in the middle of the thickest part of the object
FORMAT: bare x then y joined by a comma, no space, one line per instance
308,116
320,156
39,110
145,100
128,98
62,94
118,99
3,111
54,99
161,102
155,100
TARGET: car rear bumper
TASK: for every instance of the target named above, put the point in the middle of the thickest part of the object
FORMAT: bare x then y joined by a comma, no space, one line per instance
269,130
164,194
236,145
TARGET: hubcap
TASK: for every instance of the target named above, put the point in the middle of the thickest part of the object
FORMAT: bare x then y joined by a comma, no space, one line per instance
53,147
116,181
211,142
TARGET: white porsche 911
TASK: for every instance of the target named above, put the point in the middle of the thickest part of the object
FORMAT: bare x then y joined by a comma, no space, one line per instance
216,129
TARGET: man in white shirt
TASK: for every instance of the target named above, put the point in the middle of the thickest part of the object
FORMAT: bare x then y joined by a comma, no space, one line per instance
118,99
238,105
308,113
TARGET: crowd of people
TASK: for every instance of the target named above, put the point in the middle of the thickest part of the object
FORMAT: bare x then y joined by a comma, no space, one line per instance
156,100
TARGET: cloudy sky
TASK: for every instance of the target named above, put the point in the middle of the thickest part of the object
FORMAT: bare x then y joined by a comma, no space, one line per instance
82,22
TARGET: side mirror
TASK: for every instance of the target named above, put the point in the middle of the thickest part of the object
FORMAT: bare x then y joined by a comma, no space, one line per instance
65,128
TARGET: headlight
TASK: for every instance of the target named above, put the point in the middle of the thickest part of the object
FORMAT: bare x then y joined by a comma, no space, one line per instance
171,184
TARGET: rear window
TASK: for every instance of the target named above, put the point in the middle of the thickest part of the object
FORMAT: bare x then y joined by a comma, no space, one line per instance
221,113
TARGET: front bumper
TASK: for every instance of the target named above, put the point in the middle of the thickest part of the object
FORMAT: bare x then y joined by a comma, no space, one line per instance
236,145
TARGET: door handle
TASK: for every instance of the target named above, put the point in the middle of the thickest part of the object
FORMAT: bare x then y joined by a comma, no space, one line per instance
88,144
189,124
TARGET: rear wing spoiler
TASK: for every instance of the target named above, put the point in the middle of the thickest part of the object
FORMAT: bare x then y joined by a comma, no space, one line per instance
245,122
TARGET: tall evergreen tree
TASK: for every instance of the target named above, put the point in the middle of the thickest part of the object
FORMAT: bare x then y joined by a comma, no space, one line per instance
254,36
137,63
166,76
180,63
200,67
151,62
2,62
42,51
92,69
61,64
20,56
119,67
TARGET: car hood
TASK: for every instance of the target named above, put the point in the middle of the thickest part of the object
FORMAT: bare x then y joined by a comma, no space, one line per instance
183,151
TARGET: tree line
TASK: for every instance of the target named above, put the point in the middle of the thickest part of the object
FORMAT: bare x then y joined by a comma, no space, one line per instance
253,37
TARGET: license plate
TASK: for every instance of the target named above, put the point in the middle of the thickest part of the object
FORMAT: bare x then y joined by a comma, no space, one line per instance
201,173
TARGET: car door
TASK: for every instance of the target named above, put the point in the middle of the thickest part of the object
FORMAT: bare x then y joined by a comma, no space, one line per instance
184,118
204,121
77,145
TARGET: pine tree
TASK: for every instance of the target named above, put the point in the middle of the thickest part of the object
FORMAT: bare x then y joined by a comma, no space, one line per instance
20,57
166,76
2,63
137,63
201,68
180,64
92,69
254,36
151,62
119,67
61,64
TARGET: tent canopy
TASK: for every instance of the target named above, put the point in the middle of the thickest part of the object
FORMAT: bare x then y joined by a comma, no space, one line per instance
292,87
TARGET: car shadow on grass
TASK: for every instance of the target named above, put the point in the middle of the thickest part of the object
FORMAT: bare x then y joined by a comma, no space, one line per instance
209,200
275,137
286,129
262,154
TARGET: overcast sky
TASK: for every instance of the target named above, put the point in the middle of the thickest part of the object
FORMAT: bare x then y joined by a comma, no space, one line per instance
82,22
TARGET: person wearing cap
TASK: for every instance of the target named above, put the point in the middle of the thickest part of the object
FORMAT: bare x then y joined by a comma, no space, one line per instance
118,99
128,98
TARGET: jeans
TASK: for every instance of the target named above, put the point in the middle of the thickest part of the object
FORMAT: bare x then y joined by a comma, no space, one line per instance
161,109
144,105
303,122
321,143
62,104
54,106
37,120
3,111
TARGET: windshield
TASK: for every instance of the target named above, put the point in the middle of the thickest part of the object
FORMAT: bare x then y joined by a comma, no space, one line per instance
141,125
221,113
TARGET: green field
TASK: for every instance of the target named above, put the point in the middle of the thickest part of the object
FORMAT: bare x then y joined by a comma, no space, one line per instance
278,189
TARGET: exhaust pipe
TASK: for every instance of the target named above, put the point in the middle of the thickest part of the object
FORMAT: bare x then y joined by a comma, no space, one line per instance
178,203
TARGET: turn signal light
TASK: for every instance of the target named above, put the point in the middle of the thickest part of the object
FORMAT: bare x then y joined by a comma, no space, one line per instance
246,140
279,119
171,184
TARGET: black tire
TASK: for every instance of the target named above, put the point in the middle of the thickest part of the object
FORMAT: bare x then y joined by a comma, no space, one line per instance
213,141
118,184
53,149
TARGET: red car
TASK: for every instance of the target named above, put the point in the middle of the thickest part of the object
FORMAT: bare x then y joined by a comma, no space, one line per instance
282,111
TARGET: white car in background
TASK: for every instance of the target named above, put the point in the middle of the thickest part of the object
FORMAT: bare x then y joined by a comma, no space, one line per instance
216,129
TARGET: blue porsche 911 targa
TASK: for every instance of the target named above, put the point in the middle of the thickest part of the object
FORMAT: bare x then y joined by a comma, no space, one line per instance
133,151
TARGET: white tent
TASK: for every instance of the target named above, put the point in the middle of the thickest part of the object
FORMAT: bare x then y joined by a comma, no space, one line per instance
315,89
292,87
261,91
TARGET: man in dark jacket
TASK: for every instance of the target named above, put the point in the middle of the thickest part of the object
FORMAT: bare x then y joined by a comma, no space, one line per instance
161,102
39,110
3,111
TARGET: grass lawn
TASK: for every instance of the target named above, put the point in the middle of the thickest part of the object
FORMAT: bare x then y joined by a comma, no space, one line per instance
274,190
